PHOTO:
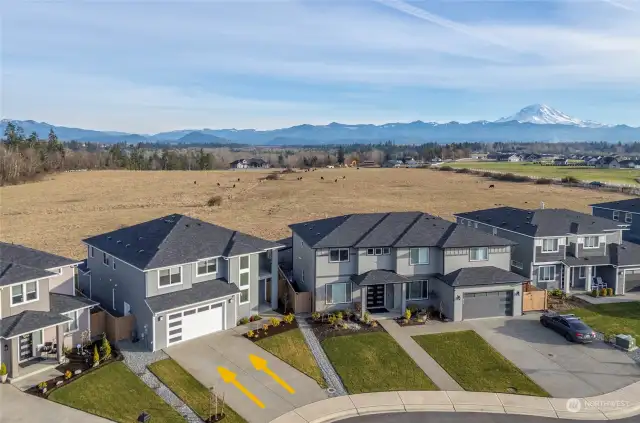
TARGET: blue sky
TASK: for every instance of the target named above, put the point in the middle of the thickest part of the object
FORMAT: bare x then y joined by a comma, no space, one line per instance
146,67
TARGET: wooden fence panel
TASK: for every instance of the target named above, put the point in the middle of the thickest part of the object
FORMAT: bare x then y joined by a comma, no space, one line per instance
303,302
97,325
534,300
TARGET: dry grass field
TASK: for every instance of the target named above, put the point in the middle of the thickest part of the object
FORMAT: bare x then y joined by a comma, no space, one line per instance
56,214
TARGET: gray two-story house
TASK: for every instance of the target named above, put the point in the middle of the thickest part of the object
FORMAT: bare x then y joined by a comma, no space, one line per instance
625,212
39,311
565,249
383,262
180,277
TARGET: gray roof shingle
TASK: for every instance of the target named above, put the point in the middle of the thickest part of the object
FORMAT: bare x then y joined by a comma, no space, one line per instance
477,276
395,229
28,321
627,254
378,277
32,258
175,239
61,303
542,222
11,273
199,292
630,205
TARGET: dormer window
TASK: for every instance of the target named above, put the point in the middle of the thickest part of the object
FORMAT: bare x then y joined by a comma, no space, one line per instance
591,242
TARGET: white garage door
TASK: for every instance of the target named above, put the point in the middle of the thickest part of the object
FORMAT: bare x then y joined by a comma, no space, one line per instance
632,280
195,322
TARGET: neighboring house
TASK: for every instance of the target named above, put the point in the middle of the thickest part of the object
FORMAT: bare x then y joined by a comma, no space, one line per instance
560,162
253,163
592,161
533,158
514,158
623,211
608,163
39,312
563,249
239,164
181,277
382,262
628,164
394,163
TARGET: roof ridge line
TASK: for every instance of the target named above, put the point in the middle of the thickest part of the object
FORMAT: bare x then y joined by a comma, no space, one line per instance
411,225
447,233
386,215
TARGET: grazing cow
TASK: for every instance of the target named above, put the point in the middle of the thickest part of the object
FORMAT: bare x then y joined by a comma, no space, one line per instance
234,185
195,182
492,186
218,183
336,180
344,177
322,178
238,179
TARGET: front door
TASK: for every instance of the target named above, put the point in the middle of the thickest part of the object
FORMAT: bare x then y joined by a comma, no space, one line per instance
26,347
375,296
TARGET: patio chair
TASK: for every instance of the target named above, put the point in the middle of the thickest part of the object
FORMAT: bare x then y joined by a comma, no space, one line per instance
47,348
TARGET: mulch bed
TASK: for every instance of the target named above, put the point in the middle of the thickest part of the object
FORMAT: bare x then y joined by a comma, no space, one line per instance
76,362
414,321
272,331
324,330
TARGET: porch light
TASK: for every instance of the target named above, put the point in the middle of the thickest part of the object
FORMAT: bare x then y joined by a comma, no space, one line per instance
160,318
230,300
6,347
517,293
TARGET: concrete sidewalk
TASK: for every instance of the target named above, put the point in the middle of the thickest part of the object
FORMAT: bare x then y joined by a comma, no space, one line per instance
201,357
619,404
18,407
428,365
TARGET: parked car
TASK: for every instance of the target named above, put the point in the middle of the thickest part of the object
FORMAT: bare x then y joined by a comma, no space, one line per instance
596,184
570,326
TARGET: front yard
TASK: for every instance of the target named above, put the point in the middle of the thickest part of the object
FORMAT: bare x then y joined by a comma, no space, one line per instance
374,362
189,390
612,319
115,393
291,348
475,365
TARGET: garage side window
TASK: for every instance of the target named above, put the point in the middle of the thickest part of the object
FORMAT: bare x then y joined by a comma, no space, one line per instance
244,279
339,293
171,276
418,290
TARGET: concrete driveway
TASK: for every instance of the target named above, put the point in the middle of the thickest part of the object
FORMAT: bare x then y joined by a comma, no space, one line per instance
563,369
201,357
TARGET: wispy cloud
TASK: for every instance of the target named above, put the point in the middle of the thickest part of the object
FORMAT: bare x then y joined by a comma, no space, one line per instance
620,5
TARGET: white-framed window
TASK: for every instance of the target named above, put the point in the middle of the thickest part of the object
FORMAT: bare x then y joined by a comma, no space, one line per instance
582,272
207,267
339,293
547,273
591,242
24,293
418,256
91,252
616,215
418,290
550,245
380,251
170,276
71,326
338,255
517,264
244,280
106,260
479,254
628,218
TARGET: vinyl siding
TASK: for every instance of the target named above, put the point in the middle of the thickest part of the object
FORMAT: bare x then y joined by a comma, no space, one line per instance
382,262
42,304
459,258
63,283
403,266
303,260
246,310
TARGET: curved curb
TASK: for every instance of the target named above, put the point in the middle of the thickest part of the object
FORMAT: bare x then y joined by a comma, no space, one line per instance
618,404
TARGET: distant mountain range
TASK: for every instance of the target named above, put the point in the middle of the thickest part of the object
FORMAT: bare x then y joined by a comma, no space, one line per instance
536,122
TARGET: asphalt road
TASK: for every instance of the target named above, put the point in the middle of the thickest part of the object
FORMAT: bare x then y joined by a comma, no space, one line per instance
462,418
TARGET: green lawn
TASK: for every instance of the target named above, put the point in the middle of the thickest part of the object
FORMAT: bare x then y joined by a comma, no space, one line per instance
612,319
291,348
374,362
588,174
475,365
115,393
189,390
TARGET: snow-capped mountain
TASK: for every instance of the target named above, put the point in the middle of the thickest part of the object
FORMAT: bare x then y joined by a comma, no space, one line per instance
533,123
545,115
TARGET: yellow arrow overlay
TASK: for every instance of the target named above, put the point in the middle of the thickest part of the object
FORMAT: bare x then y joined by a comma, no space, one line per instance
229,377
260,365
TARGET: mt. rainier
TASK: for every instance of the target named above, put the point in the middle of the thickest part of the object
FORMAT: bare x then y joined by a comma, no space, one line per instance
545,115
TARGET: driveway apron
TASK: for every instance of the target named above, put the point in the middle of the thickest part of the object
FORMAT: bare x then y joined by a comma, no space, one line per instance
202,357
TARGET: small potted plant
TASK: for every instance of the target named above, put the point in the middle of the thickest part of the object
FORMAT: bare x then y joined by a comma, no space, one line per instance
42,386
3,373
67,375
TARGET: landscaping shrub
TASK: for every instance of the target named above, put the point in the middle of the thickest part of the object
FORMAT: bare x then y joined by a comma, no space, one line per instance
610,292
288,319
96,356
275,322
315,316
603,292
463,170
487,174
348,313
243,321
214,201
445,168
374,323
510,177
265,327
332,319
3,369
544,181
407,314
67,375
339,315
105,348
570,180
595,293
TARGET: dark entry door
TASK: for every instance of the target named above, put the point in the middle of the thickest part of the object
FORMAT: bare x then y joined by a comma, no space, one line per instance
375,296
26,347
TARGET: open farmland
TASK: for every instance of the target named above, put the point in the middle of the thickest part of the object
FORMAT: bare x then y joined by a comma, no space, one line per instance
55,214
582,173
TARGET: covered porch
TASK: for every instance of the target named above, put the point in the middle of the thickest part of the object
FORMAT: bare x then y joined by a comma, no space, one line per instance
582,275
383,293
29,343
